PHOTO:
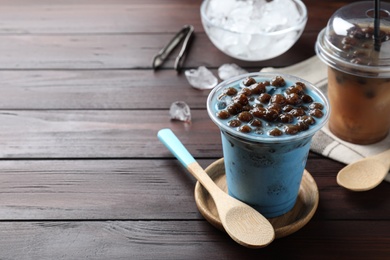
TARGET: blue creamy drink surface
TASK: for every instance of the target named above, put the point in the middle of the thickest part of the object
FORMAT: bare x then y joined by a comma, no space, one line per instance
272,107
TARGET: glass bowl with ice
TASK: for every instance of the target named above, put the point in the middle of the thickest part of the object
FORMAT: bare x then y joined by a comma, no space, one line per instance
253,30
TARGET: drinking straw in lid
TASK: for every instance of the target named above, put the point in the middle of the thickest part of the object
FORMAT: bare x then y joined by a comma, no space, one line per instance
377,40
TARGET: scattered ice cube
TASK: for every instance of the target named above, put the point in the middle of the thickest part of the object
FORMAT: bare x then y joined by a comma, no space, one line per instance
227,71
201,78
179,110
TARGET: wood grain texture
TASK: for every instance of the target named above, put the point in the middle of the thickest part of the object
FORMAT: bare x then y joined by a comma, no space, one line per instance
101,134
124,52
140,189
96,90
185,240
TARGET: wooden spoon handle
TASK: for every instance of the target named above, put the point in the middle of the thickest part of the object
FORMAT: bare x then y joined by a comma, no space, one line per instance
169,139
383,157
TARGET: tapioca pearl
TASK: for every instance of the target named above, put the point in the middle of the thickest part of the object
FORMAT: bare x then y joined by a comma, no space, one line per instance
285,118
356,33
234,108
249,81
316,105
366,45
296,112
278,81
369,94
294,90
275,132
245,116
241,98
307,99
293,99
349,40
246,107
347,47
258,112
340,78
270,115
300,85
362,81
258,88
316,113
256,122
257,105
287,108
245,129
276,107
291,129
303,126
360,53
307,119
223,114
369,32
234,123
246,91
278,99
264,98
230,91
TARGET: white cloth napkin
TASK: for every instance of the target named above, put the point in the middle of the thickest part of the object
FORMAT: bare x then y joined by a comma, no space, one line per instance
324,142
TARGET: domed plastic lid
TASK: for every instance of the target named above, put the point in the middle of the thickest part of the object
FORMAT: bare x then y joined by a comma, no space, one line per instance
349,44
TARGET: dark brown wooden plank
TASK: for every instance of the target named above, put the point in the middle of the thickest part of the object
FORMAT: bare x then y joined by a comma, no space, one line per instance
121,16
146,190
186,240
89,189
97,17
124,52
101,134
96,89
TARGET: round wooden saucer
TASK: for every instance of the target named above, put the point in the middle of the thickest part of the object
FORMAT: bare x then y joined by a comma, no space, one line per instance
284,225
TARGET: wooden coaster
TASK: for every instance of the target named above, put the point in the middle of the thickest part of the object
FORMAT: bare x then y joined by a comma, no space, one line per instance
284,225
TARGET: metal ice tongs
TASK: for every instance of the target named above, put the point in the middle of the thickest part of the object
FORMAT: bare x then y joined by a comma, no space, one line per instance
185,33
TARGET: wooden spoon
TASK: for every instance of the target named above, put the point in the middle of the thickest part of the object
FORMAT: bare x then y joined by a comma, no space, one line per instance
366,173
244,224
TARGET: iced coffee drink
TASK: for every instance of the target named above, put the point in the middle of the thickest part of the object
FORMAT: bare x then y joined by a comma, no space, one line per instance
361,107
358,55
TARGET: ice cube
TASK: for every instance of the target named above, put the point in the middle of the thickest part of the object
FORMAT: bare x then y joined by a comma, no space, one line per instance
220,8
201,78
179,110
227,71
253,16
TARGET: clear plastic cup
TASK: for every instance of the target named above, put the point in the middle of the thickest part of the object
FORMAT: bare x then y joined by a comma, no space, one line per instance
358,72
263,170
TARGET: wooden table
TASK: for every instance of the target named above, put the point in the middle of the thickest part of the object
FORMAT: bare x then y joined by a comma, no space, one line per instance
82,174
